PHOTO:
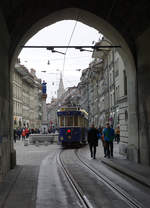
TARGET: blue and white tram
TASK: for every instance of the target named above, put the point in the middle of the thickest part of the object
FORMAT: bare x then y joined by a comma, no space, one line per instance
73,124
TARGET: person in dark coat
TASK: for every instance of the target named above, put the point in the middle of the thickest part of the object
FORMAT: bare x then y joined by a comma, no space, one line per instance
15,135
93,140
19,133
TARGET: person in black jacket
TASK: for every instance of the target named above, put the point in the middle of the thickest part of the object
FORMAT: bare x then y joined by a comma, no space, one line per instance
15,135
93,140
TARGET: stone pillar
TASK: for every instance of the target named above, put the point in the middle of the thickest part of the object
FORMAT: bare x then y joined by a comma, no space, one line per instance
133,137
44,126
7,153
143,74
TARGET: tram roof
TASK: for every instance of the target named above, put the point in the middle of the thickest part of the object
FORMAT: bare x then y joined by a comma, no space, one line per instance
69,109
72,111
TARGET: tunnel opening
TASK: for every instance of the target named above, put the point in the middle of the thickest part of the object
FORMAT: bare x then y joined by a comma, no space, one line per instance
132,146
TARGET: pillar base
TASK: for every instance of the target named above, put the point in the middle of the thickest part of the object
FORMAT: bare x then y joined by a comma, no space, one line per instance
123,148
132,153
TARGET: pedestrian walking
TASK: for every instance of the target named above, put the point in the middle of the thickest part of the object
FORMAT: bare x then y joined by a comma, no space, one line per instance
104,145
19,133
27,132
93,140
23,134
101,136
100,131
109,135
117,134
15,135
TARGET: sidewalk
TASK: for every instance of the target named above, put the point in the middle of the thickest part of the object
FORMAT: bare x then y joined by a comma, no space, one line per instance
7,184
136,171
19,188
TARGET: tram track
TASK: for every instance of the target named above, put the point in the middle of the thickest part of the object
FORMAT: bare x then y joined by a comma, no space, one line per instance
118,191
132,202
85,203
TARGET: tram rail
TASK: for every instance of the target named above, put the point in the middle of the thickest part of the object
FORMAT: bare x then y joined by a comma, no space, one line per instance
132,202
81,196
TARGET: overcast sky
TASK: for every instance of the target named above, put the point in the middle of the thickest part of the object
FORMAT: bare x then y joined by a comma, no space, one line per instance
59,34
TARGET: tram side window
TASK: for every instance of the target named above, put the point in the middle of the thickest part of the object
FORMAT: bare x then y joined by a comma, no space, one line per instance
69,121
75,120
62,121
81,120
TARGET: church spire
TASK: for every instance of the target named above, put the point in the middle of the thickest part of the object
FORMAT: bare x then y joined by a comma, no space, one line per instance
61,89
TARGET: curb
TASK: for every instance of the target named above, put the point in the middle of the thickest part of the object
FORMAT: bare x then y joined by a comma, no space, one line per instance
131,174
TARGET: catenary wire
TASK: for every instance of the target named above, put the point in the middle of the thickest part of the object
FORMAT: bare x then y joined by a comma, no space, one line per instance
69,43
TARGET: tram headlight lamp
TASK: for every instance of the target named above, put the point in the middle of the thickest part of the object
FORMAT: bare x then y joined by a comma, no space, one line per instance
61,138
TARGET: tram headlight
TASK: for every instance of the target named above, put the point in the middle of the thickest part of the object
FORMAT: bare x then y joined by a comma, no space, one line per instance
61,138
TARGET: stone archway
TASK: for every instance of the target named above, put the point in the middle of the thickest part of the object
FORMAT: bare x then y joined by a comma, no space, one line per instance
114,36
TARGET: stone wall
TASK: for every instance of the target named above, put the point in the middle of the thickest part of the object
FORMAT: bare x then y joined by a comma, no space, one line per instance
5,102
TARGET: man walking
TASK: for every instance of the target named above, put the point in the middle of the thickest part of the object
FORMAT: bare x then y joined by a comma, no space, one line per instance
109,135
93,140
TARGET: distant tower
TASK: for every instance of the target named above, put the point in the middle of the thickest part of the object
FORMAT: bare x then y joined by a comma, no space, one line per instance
61,89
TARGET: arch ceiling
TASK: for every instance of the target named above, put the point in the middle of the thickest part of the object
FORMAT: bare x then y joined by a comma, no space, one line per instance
130,18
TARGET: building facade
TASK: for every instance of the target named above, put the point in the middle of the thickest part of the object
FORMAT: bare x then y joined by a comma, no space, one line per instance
103,90
27,100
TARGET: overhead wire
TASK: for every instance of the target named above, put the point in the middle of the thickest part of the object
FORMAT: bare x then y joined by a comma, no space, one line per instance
69,43
58,59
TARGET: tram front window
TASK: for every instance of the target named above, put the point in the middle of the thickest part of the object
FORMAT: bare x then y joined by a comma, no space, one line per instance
62,123
69,121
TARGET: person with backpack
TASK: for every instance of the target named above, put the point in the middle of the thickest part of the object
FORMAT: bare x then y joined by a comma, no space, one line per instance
109,135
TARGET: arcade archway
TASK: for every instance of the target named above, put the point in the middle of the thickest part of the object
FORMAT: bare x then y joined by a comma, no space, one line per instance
114,36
